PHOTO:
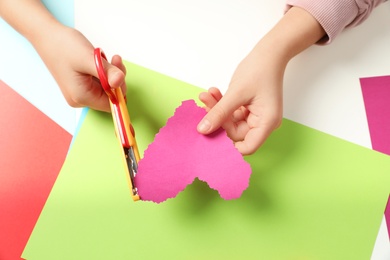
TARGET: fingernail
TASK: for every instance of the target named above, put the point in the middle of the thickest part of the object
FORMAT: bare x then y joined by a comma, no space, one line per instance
204,126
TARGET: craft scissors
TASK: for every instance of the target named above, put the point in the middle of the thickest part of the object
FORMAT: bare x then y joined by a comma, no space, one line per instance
123,128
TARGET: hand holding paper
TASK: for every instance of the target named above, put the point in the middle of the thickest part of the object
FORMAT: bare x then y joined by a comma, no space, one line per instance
179,154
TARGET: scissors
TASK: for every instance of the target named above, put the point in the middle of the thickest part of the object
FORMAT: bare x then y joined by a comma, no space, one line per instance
123,128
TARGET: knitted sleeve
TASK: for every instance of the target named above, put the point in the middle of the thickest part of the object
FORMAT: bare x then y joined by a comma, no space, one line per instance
336,15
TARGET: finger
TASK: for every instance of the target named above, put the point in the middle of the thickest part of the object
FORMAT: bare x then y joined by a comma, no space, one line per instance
207,99
240,114
115,76
118,79
251,143
216,93
236,126
93,95
254,138
210,98
237,130
90,93
87,93
117,61
219,114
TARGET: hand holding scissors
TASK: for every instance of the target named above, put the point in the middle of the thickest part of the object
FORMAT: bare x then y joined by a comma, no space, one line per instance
123,128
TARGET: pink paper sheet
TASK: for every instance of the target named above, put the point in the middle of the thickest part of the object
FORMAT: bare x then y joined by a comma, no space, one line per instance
387,216
376,94
32,150
179,154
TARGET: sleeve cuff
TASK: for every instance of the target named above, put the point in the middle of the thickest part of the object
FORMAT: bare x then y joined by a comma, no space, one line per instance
333,15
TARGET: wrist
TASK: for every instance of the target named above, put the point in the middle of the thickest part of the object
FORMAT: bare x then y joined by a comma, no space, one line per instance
44,31
29,18
294,33
271,62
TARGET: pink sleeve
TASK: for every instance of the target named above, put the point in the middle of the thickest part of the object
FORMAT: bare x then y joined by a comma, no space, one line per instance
336,15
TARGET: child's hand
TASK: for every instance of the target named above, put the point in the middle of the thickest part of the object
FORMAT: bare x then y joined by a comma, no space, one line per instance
68,55
70,58
252,106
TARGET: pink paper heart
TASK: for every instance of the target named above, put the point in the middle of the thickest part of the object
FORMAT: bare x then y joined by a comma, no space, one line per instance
179,154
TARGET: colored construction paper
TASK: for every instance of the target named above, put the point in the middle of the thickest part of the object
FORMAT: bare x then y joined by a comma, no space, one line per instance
179,154
81,117
32,151
311,195
387,216
376,94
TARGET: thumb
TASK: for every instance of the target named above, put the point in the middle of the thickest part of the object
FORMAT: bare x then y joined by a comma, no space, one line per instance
94,95
218,114
114,72
117,73
115,76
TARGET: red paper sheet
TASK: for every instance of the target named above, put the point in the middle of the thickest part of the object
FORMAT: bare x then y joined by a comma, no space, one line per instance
179,154
32,150
376,94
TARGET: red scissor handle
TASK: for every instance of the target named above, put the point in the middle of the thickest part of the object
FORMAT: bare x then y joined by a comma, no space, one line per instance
99,54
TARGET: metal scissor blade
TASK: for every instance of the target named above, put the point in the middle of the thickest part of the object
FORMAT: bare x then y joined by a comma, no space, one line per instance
132,165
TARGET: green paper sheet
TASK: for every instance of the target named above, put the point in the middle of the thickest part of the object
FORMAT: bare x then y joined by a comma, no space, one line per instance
311,195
